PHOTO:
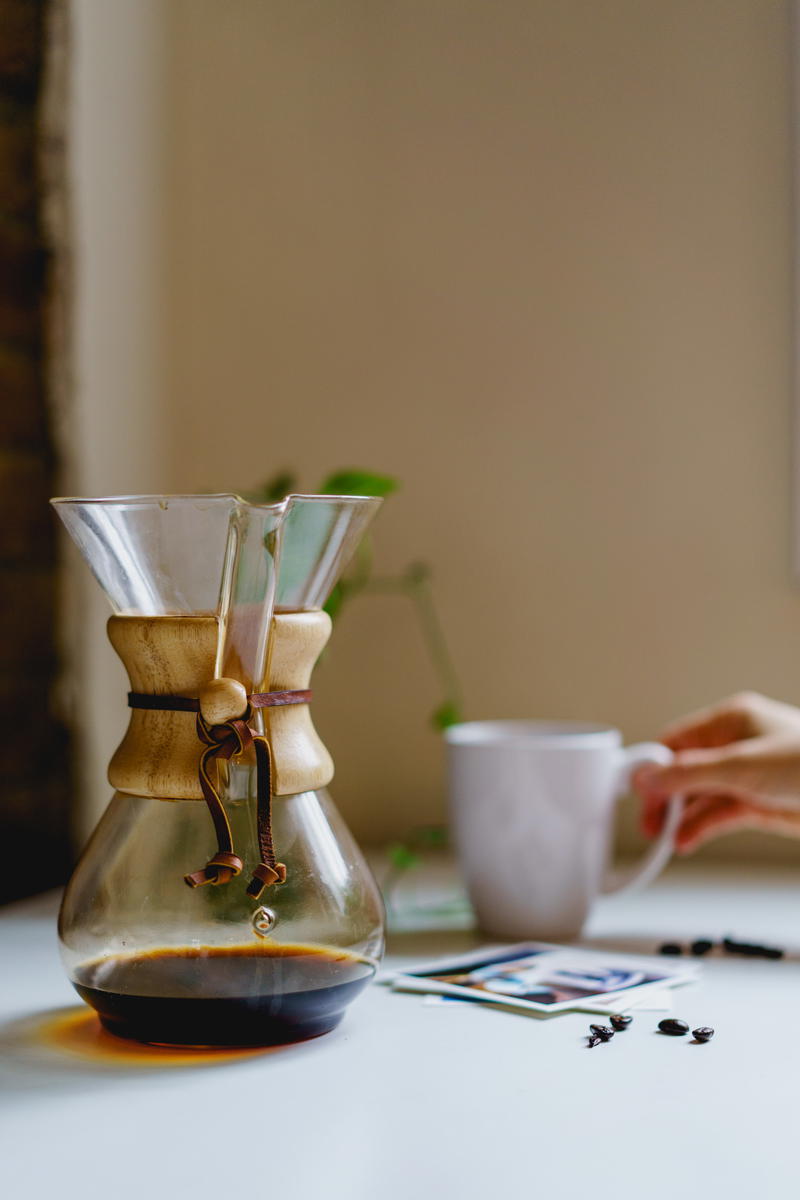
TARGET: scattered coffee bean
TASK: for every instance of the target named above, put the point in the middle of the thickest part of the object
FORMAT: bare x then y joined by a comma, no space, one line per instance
673,1027
594,1041
602,1031
620,1022
751,949
745,949
670,948
732,947
703,1034
702,946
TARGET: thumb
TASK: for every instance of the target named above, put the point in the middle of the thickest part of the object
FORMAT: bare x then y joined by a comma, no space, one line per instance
695,770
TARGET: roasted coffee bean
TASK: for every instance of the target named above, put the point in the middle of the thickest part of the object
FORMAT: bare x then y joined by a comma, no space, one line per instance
730,946
751,949
594,1041
603,1032
673,1027
746,949
620,1022
702,946
670,948
703,1034
758,951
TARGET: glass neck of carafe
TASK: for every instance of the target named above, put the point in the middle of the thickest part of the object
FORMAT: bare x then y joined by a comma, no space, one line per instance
320,536
199,556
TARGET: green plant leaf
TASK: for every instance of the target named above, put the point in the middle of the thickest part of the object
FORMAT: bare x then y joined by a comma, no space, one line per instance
277,487
446,714
433,835
358,483
401,857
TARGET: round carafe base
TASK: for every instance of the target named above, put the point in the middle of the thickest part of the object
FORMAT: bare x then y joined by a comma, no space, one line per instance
159,1034
224,997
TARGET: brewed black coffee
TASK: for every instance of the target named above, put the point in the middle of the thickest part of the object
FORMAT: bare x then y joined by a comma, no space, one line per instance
224,996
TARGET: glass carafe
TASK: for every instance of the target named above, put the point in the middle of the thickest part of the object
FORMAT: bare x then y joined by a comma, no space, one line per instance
218,616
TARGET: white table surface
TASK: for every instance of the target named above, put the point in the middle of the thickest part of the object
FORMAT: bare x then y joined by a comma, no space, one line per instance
405,1099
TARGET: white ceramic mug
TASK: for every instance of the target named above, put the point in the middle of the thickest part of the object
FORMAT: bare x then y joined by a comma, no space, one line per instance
532,809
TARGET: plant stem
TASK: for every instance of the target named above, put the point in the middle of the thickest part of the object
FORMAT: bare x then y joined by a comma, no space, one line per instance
416,584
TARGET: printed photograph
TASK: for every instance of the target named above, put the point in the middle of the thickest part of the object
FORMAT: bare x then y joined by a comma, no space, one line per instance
543,976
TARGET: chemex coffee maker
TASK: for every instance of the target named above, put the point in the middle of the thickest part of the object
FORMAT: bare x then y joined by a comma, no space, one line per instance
221,899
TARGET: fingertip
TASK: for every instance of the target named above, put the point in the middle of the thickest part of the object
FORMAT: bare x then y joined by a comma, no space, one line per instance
652,815
654,783
641,777
651,823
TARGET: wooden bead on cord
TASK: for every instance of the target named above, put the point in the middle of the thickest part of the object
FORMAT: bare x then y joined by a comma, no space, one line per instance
222,700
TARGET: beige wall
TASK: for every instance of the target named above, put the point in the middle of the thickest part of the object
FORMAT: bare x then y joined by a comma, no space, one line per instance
531,256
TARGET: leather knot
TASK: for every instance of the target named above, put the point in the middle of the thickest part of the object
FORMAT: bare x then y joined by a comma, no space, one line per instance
225,740
219,869
264,876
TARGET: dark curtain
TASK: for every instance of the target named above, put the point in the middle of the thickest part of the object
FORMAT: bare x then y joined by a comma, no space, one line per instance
34,745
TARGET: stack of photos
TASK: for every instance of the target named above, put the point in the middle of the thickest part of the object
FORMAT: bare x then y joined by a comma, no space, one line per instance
546,979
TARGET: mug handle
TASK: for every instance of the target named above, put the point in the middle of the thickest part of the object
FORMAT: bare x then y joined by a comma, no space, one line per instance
659,854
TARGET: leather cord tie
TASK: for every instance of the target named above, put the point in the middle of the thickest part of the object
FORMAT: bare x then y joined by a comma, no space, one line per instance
225,740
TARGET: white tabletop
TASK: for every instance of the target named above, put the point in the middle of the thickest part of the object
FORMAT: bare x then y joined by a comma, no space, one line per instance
406,1099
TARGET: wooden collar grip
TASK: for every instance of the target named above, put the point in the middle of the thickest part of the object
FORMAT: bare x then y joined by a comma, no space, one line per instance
173,657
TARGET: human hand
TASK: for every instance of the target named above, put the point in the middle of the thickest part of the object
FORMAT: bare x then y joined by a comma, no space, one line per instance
737,764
